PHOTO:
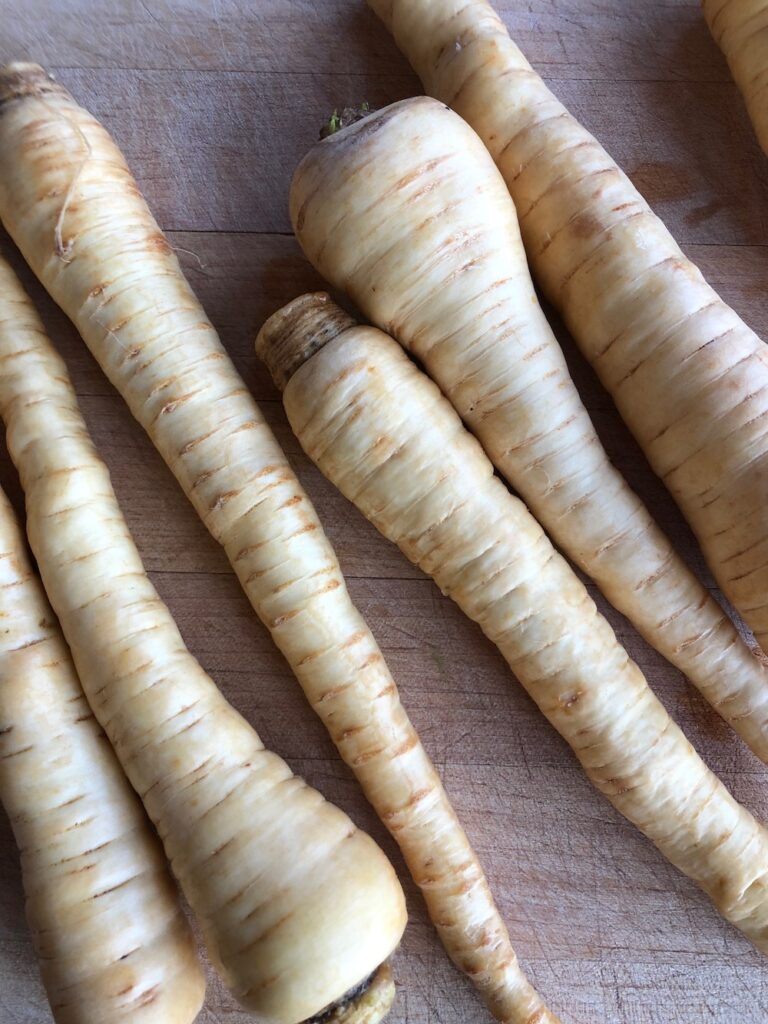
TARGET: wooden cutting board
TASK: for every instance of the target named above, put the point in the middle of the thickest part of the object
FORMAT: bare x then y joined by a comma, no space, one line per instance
214,103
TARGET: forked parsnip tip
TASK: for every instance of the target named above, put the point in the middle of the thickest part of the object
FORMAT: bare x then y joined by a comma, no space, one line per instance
297,331
22,78
367,1003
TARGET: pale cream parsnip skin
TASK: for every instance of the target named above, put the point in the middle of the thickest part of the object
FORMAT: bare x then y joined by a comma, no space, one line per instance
688,376
440,858
406,212
297,906
740,29
104,914
384,434
72,206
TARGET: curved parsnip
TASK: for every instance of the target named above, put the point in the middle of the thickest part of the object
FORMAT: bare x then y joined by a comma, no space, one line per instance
384,434
297,906
113,943
740,29
71,204
688,376
406,212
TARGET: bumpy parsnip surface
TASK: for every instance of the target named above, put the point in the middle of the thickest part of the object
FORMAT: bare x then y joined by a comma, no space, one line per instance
113,943
68,199
297,906
384,434
687,374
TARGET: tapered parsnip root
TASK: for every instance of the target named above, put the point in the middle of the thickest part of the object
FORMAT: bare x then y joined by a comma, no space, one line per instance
407,213
688,376
384,434
121,284
297,906
740,29
104,914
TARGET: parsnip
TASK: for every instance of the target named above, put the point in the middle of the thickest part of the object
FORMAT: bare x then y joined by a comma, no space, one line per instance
688,376
740,29
384,434
113,943
297,906
407,213
68,198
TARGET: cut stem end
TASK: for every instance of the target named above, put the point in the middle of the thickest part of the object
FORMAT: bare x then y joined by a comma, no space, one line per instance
294,333
367,1003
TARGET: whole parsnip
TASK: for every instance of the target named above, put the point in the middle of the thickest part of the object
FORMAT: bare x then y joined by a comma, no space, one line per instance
385,435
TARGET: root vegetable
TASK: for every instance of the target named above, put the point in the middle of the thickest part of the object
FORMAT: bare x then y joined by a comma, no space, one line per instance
113,943
688,376
740,29
407,213
71,204
297,906
384,434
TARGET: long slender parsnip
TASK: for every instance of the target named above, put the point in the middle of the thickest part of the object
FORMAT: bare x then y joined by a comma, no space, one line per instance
688,376
740,29
113,943
406,212
73,207
384,434
298,907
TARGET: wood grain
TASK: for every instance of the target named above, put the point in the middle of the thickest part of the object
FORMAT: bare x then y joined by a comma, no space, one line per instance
214,103
658,40
215,150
